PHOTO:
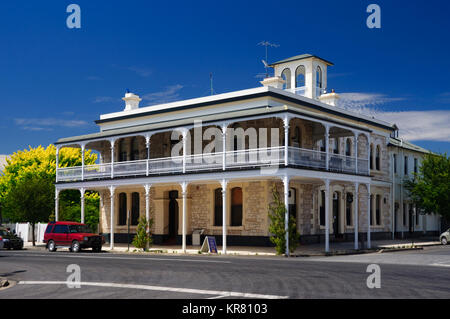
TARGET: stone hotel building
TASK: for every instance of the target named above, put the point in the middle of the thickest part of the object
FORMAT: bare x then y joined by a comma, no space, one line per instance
163,162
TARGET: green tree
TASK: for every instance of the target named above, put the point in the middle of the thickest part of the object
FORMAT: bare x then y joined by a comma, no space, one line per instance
430,187
40,163
143,239
277,211
30,199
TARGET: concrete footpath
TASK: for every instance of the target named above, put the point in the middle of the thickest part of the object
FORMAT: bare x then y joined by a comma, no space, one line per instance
337,248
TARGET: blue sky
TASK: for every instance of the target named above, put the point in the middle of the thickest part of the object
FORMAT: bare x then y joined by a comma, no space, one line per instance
55,81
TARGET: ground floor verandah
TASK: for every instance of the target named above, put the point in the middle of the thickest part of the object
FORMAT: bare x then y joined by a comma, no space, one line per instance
234,207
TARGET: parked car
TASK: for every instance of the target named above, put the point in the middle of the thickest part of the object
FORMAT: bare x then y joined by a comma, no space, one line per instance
445,237
10,240
74,236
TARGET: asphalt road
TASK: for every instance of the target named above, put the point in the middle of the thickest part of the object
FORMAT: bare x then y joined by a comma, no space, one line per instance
409,274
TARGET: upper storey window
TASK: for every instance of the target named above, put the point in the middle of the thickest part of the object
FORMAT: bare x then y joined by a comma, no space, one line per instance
286,76
319,77
377,158
300,76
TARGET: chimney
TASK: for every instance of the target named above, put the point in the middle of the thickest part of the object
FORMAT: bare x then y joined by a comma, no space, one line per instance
275,81
330,98
131,101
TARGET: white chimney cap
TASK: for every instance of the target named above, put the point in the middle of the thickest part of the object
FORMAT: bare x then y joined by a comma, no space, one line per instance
131,101
275,81
330,98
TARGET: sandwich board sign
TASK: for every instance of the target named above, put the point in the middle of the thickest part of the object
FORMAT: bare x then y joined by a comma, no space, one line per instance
209,245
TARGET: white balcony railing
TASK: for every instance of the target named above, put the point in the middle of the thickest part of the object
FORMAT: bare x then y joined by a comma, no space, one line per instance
241,159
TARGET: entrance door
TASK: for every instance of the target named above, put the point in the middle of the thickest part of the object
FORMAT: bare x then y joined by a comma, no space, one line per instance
173,214
336,213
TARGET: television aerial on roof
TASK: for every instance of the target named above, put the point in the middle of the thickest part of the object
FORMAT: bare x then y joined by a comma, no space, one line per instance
267,44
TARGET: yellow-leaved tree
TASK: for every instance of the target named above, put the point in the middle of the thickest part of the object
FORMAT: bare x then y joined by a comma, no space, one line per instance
27,188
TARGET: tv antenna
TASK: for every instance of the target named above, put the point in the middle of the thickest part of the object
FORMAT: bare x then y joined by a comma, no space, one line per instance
267,44
211,83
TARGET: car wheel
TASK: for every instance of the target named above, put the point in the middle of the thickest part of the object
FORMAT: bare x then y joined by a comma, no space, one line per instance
444,240
75,246
97,249
51,246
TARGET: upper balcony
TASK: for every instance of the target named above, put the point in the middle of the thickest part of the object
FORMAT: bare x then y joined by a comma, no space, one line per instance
272,157
305,144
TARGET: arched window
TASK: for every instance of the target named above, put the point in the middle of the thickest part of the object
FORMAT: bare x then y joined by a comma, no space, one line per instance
286,76
319,77
322,208
348,147
297,137
321,145
377,158
122,151
135,208
218,207
122,209
236,206
300,76
134,149
371,156
348,209
377,210
371,210
336,146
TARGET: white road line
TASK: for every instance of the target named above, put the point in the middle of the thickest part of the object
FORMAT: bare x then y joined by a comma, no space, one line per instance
160,288
441,264
217,297
126,258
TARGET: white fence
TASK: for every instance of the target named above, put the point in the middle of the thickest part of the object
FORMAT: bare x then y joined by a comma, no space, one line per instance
24,231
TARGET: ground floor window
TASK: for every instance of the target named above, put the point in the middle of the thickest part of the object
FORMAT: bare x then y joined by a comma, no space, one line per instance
404,214
322,208
378,210
218,207
348,209
135,208
370,210
236,206
122,209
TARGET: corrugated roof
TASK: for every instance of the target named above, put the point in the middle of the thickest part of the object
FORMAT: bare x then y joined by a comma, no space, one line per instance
301,57
407,145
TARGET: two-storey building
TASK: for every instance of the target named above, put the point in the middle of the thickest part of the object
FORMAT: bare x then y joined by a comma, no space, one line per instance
210,163
408,220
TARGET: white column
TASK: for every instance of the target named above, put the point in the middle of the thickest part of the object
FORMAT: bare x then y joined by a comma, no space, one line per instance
112,157
368,153
327,146
112,221
82,161
56,204
224,216
286,140
184,194
82,191
356,210
286,213
368,216
147,145
327,215
224,147
147,207
356,151
184,150
57,162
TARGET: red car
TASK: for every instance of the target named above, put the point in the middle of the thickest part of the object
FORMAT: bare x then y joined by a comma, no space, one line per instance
74,236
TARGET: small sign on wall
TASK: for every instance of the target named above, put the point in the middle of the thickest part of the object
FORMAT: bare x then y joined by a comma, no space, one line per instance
209,245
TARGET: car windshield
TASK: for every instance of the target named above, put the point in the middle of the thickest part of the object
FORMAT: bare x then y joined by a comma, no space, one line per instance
79,229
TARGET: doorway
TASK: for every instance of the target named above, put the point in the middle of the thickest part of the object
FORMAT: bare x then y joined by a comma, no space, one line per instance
336,213
293,204
173,217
